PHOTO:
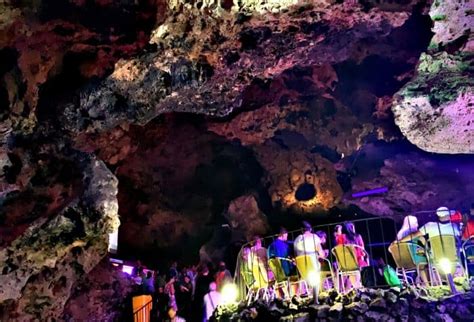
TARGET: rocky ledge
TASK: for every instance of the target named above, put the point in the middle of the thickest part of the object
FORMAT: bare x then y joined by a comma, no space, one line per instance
362,305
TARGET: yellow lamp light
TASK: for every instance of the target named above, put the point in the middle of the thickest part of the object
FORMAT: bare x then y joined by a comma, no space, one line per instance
445,265
229,293
313,278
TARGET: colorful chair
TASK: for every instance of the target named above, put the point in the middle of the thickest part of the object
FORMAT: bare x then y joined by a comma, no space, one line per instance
259,287
444,247
348,265
406,260
307,265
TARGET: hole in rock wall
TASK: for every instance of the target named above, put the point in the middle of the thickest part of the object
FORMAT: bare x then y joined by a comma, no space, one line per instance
305,192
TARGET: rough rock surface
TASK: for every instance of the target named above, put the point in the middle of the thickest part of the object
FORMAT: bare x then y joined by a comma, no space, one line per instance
435,110
416,181
302,89
40,266
99,296
363,305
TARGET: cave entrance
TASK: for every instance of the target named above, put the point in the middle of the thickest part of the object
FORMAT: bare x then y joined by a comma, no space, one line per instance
305,192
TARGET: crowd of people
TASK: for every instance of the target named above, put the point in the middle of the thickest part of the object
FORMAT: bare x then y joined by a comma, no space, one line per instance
185,293
314,245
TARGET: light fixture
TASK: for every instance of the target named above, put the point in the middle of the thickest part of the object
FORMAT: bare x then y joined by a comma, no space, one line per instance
229,293
127,269
313,278
445,265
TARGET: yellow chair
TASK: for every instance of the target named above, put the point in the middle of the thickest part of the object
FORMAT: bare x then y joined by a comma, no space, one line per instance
259,287
281,280
306,265
444,247
347,263
142,306
405,259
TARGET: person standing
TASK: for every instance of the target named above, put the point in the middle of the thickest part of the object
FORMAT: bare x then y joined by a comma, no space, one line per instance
211,301
223,276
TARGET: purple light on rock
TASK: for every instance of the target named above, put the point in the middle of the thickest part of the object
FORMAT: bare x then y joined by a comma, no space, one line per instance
369,192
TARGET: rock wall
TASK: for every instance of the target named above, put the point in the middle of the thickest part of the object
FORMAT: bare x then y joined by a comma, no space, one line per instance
41,265
363,305
435,110
280,99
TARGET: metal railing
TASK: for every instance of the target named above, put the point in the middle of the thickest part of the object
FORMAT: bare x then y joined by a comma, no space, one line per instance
143,313
377,233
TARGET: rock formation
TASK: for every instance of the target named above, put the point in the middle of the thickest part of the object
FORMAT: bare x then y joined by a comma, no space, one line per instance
188,120
435,110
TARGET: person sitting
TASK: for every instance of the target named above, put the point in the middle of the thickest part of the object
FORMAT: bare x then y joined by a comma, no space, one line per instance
467,234
351,237
308,243
211,301
258,252
431,229
339,237
323,263
410,225
280,248
468,224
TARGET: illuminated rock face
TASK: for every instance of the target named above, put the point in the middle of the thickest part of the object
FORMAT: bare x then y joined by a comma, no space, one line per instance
280,103
435,110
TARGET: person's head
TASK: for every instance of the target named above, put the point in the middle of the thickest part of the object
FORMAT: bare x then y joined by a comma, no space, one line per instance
174,264
283,234
204,269
307,227
443,214
350,227
149,274
172,312
212,287
187,279
349,231
221,266
471,211
257,242
410,225
338,230
245,253
322,236
161,289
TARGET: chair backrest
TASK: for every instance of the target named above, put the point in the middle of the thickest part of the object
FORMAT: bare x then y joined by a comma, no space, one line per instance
306,264
444,246
401,253
346,257
260,275
277,269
